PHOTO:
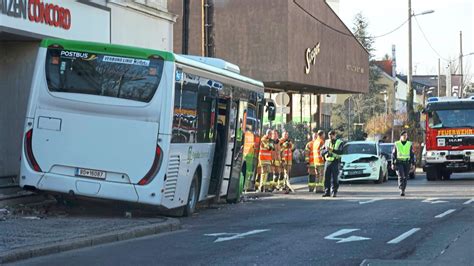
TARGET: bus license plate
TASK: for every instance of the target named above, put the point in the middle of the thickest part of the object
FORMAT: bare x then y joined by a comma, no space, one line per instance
90,173
455,152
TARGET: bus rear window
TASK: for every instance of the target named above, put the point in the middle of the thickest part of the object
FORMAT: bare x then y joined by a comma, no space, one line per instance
103,75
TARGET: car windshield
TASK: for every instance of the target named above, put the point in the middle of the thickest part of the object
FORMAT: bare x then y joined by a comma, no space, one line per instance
451,118
360,148
386,148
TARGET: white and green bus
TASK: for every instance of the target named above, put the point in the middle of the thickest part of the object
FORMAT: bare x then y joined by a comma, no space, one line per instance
138,125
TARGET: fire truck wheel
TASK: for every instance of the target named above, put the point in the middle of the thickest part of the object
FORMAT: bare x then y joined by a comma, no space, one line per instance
432,174
446,175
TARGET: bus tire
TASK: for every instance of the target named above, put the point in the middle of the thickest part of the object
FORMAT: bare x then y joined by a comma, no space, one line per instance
193,197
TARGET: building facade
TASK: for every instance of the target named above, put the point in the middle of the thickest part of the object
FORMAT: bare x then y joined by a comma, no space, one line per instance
144,23
300,47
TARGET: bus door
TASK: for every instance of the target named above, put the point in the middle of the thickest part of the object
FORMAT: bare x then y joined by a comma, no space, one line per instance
221,148
236,179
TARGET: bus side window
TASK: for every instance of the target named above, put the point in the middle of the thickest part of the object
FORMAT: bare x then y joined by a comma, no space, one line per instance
189,97
177,136
206,111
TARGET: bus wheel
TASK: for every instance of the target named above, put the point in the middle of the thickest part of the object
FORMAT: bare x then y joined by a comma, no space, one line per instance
193,197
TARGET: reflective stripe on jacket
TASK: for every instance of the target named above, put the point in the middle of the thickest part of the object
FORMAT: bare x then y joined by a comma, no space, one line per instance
265,154
287,150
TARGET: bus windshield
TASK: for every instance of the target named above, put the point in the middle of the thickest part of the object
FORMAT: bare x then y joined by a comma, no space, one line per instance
460,118
103,75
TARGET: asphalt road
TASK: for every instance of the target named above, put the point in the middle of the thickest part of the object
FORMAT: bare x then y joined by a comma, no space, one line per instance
367,223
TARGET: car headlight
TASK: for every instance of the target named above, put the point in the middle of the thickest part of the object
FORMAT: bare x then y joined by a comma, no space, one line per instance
372,164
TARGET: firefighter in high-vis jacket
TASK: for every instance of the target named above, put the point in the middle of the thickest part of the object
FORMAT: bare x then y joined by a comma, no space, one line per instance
287,148
276,162
265,159
309,158
318,160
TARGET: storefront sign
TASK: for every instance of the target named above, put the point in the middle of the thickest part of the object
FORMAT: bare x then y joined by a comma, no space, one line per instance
356,69
37,11
311,54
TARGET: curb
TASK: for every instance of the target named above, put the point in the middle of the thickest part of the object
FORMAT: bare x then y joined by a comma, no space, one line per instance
171,224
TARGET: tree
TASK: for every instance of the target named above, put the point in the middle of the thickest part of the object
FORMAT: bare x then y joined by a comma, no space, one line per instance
360,108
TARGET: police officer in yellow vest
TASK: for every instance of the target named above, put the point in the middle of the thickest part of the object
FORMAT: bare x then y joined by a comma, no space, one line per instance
403,158
332,153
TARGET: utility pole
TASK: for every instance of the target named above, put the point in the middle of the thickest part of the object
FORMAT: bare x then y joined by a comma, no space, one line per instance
449,91
460,64
410,110
185,33
439,76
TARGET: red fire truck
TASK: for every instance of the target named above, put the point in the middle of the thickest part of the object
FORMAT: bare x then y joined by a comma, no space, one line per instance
449,139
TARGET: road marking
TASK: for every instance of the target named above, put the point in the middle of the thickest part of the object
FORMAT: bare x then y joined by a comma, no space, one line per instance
233,236
335,236
434,200
445,213
403,236
369,201
469,201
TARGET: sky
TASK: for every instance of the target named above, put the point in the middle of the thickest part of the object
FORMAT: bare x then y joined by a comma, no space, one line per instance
441,29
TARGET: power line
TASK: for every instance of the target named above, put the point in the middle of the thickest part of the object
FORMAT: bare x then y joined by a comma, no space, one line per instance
392,31
429,43
343,33
323,23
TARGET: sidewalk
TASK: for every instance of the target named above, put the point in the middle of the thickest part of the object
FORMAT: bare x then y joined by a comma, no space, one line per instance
28,232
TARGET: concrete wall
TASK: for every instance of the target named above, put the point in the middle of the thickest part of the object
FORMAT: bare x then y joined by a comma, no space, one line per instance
131,26
17,61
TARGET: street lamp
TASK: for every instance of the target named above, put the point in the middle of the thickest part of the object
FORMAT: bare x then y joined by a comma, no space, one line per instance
410,110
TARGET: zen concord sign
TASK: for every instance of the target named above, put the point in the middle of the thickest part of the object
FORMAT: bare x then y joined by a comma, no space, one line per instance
310,56
37,11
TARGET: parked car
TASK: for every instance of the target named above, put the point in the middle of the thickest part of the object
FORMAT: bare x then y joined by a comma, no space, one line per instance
363,160
386,149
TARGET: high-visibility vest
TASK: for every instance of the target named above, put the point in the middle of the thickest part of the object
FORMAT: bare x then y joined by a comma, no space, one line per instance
308,153
265,155
318,144
287,150
403,151
248,143
330,156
